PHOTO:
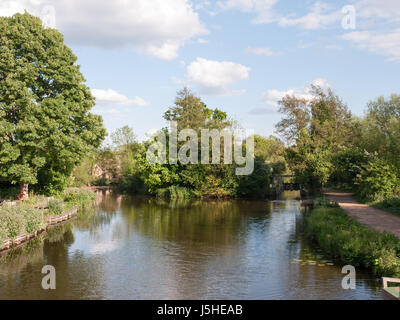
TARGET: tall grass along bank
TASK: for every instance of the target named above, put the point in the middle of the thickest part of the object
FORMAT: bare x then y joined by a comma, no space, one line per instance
349,242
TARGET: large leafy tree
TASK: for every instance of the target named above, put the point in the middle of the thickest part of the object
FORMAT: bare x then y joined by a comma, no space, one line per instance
45,123
381,128
320,128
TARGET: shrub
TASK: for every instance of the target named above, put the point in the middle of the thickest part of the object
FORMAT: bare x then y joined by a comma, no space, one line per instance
390,204
346,240
80,197
56,206
347,166
12,221
377,180
34,219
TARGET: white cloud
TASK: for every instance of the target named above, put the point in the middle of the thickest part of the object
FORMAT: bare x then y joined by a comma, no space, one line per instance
214,77
382,43
320,16
383,9
272,97
112,111
158,27
111,97
263,52
262,8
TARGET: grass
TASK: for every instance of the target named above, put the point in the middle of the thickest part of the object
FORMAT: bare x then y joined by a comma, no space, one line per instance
345,240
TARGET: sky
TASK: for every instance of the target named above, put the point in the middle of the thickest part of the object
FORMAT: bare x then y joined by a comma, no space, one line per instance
241,56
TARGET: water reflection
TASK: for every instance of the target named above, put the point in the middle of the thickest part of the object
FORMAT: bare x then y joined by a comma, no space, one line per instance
143,248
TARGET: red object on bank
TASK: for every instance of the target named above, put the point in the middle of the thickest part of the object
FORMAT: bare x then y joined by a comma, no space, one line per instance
22,196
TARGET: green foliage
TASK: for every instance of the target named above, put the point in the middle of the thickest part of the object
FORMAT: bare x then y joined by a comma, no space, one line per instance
378,180
320,127
83,173
12,220
312,165
45,124
390,204
56,206
174,193
34,219
15,220
3,231
256,184
347,166
272,150
123,137
9,193
381,129
191,112
324,202
351,243
80,197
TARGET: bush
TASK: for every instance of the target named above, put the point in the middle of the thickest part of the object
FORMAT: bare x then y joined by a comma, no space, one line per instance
390,204
256,184
377,181
12,221
80,197
56,206
34,219
346,240
347,166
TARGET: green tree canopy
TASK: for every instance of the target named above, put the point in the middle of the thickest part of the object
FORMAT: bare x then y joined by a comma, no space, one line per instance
319,127
381,128
45,124
191,112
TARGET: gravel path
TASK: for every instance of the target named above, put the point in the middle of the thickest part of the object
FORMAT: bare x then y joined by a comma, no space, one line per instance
368,216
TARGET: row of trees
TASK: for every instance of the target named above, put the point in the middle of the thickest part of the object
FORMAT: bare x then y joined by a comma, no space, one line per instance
47,133
327,145
129,168
49,138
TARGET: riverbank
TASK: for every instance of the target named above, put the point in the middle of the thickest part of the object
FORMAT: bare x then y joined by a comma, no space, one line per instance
349,242
366,215
24,220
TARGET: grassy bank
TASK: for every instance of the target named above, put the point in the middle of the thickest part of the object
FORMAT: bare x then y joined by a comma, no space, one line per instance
31,215
347,241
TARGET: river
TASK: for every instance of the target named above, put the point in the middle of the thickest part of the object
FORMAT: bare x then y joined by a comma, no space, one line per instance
143,248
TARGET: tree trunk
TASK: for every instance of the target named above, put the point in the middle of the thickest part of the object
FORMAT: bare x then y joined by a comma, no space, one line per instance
24,190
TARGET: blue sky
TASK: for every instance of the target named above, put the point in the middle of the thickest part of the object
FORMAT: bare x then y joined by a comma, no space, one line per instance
238,55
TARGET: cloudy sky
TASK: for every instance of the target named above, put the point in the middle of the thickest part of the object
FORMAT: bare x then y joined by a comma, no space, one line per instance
241,56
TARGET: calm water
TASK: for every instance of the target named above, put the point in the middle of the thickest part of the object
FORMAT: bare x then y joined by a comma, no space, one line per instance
140,248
